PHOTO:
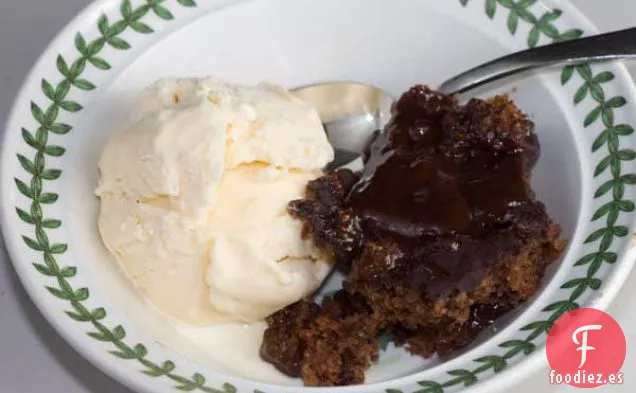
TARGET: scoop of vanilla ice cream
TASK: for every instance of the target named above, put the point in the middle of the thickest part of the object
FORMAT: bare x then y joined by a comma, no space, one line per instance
259,263
194,193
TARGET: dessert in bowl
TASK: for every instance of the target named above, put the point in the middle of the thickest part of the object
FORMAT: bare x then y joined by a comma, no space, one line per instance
439,233
50,211
203,206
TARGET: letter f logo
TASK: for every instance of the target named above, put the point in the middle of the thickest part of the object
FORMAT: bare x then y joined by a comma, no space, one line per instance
583,344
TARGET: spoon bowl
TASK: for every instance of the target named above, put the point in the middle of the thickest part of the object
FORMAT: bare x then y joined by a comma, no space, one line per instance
350,112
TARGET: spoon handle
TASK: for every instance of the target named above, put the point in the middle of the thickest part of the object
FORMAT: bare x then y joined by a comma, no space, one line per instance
615,45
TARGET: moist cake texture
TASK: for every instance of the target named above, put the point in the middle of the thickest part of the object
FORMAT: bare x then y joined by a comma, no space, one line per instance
439,235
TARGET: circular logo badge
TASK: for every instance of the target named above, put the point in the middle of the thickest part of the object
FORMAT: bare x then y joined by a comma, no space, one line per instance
586,348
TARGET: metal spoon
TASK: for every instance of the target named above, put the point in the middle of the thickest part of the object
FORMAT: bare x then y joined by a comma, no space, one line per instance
352,111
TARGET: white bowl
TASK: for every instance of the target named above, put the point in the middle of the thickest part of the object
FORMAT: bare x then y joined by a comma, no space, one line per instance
76,94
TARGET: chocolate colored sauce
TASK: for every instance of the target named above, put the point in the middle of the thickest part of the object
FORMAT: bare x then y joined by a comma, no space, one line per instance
441,192
412,186
484,315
